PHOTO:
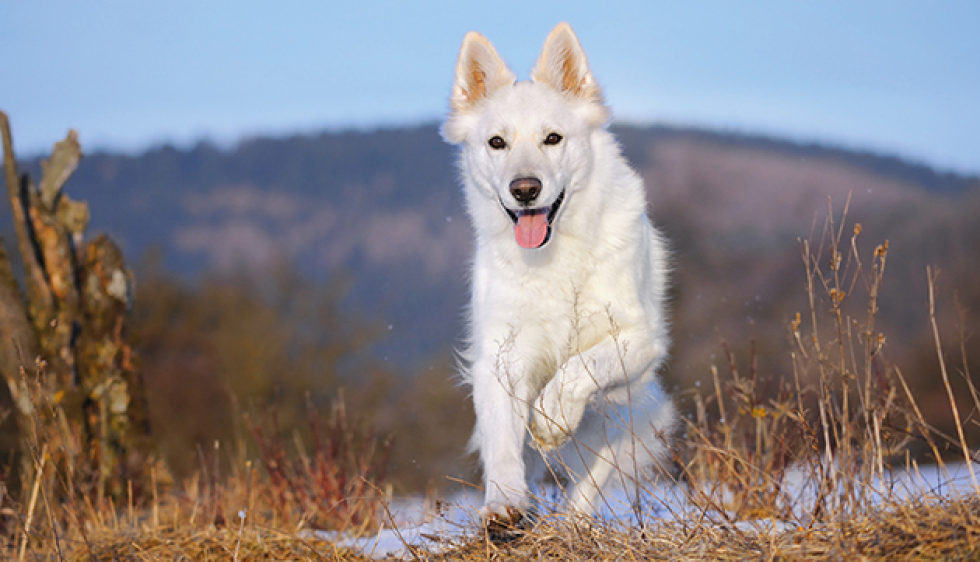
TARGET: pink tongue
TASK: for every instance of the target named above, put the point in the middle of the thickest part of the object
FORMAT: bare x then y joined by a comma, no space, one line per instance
531,229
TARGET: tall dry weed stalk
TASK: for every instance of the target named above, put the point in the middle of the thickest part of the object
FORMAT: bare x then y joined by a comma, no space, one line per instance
820,441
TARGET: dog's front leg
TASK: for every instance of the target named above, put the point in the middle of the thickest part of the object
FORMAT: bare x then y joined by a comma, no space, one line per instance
501,400
612,363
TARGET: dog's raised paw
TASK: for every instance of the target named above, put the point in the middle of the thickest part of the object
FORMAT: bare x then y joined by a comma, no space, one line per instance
556,416
547,434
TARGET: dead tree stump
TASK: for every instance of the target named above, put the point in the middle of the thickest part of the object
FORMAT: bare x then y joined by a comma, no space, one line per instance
87,381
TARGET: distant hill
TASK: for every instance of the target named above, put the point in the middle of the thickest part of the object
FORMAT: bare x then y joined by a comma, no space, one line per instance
383,208
883,165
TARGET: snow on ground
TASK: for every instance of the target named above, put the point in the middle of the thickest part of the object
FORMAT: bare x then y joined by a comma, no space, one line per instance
414,523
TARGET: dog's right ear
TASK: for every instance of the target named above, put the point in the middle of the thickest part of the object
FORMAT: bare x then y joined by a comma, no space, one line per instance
479,73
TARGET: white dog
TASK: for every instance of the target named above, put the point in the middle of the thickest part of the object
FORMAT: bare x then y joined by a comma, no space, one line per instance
567,321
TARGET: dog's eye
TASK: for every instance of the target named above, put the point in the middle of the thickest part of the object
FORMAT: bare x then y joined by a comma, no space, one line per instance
497,143
552,139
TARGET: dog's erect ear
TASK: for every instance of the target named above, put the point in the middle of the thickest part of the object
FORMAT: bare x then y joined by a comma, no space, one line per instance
479,72
563,66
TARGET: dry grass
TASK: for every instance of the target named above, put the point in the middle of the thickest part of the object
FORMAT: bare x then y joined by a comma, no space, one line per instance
332,480
792,466
934,530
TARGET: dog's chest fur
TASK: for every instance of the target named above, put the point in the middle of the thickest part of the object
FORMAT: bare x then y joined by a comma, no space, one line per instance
545,309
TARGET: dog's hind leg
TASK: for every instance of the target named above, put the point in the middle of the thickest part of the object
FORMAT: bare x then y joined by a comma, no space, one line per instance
618,448
588,458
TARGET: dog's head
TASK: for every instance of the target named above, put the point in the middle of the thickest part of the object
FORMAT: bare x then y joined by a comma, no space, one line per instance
526,145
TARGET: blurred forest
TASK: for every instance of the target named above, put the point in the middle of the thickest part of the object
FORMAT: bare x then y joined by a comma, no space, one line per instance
280,273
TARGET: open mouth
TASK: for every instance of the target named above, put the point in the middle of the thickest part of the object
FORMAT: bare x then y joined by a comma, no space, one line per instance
532,227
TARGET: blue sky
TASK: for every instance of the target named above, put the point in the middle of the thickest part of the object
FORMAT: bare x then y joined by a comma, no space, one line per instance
891,76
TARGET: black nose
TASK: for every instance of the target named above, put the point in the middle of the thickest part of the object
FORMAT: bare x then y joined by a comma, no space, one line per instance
525,190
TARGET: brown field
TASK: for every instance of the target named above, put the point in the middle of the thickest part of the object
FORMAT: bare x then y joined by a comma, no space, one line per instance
843,418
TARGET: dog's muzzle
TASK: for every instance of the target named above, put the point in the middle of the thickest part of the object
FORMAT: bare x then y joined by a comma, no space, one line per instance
532,226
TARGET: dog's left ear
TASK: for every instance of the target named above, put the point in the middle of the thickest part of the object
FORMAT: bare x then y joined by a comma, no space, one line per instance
563,66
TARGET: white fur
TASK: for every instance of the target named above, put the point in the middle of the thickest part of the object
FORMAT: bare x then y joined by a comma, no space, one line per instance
566,339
